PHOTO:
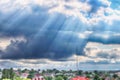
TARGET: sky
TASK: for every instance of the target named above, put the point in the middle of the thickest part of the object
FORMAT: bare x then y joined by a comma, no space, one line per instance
57,33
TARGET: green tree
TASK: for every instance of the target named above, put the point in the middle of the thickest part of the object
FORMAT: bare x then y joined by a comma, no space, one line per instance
56,71
115,76
5,73
43,71
8,73
59,78
31,73
79,72
11,73
65,78
24,70
48,78
96,77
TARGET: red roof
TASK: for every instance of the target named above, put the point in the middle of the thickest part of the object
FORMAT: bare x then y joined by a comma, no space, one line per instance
80,78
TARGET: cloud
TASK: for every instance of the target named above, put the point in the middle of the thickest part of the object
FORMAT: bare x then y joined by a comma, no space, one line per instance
105,51
96,4
58,47
56,29
106,37
31,64
88,11
66,65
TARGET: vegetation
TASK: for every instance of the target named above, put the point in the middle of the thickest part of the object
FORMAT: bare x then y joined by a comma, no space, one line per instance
54,74
8,74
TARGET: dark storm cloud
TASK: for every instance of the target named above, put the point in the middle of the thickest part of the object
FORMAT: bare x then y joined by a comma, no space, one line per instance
52,36
105,37
44,40
18,22
44,47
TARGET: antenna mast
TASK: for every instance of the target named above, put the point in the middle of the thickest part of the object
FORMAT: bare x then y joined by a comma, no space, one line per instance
77,60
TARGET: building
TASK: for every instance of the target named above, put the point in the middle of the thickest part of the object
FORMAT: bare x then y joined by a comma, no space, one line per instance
24,75
38,77
50,75
79,78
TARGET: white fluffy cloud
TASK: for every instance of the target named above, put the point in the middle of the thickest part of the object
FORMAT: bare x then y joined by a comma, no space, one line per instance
108,52
74,8
85,63
4,42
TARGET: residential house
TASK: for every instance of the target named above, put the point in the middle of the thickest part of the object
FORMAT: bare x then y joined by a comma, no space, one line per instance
24,75
38,77
50,75
79,78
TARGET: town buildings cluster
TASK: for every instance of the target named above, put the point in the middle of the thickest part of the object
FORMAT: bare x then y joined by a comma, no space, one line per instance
25,74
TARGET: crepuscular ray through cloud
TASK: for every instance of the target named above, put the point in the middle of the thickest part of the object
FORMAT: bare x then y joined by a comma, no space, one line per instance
59,29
